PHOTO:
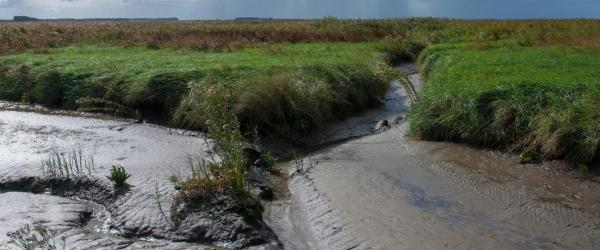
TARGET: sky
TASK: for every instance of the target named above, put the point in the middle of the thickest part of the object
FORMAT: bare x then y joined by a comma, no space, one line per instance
227,9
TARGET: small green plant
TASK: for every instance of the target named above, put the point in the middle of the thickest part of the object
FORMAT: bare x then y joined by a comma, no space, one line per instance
36,237
529,155
269,161
118,176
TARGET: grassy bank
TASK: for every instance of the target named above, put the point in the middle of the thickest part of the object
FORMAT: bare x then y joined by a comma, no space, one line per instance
542,100
284,87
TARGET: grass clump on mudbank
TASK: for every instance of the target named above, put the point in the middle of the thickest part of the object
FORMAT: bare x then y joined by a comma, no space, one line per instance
68,165
296,86
543,100
222,177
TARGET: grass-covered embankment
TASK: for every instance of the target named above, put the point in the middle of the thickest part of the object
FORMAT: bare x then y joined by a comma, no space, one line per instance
287,89
536,99
284,87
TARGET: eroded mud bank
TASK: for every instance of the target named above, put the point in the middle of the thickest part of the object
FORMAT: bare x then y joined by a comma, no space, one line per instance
136,216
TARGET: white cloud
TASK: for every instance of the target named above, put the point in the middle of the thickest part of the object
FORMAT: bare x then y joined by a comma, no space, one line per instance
10,3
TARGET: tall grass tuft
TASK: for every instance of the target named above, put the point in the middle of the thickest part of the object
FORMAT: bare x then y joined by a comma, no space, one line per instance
225,175
36,237
68,165
293,102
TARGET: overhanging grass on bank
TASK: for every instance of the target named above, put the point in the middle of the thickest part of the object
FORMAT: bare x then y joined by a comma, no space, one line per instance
284,86
542,98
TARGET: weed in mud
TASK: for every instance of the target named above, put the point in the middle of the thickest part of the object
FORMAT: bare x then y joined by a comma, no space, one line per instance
35,237
68,165
158,199
270,161
118,176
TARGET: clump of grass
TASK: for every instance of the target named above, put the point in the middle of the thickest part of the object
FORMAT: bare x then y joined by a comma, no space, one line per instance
529,155
213,178
118,176
488,98
401,50
68,165
36,237
270,161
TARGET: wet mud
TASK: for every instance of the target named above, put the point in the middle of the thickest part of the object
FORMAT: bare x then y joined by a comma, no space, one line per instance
135,216
386,191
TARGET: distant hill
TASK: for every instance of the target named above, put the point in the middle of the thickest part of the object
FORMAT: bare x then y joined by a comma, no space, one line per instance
29,19
253,19
24,18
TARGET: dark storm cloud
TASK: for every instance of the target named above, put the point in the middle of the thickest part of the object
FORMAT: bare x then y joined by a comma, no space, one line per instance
222,9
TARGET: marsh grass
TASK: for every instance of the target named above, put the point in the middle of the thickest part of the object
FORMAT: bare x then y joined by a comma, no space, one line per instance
68,165
285,88
528,99
209,35
226,36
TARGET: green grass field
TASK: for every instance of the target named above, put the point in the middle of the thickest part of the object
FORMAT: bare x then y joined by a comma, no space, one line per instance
545,99
282,86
